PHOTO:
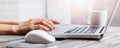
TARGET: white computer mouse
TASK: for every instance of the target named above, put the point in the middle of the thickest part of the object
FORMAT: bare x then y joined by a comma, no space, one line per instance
39,36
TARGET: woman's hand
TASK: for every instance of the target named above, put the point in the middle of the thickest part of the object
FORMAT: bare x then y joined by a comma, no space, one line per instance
33,24
45,24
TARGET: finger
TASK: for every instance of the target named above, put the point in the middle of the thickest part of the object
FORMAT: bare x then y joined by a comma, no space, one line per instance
35,21
34,27
54,21
44,27
38,21
48,25
50,22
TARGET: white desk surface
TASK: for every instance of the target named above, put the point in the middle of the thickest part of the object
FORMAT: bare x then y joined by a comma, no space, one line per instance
111,39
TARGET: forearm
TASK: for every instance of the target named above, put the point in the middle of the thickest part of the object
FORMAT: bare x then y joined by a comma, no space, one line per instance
16,28
6,29
12,23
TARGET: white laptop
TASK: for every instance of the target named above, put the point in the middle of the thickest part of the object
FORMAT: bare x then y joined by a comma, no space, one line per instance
82,31
79,31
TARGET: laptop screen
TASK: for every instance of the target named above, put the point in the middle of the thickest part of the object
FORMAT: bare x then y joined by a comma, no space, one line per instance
113,13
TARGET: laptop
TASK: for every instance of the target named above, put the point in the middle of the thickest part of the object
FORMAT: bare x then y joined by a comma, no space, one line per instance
79,31
82,31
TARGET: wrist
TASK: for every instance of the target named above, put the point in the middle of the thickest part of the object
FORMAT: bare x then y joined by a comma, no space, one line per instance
20,29
15,29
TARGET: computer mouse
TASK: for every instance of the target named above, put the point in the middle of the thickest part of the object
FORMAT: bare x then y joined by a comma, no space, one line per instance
39,36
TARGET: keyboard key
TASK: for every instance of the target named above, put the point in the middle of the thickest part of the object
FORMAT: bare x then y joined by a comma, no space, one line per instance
83,29
94,30
69,31
80,31
89,30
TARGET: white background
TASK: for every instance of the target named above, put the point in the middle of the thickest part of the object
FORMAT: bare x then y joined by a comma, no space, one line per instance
64,11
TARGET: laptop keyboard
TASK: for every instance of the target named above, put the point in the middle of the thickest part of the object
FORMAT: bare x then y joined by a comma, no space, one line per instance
83,29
